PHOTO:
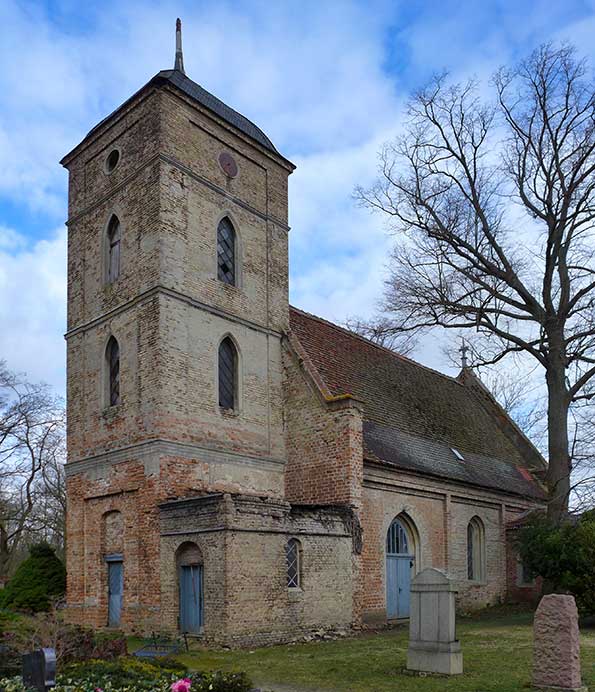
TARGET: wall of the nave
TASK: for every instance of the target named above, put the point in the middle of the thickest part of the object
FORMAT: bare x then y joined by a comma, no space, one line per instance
436,515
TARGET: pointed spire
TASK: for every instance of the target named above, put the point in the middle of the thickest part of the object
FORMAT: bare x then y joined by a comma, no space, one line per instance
463,351
179,64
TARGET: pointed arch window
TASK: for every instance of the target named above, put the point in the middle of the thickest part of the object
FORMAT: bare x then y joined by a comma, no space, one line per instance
226,252
114,236
293,550
112,355
475,550
228,374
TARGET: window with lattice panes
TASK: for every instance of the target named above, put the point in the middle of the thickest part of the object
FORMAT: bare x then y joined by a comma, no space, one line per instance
113,371
114,237
226,252
293,556
228,375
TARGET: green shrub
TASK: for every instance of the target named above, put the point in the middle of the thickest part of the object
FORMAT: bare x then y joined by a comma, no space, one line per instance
220,682
123,672
564,555
39,580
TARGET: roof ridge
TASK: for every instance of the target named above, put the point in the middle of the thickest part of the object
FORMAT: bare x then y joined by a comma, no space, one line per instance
389,351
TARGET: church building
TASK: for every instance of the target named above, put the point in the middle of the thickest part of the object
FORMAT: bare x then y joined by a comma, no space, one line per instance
238,469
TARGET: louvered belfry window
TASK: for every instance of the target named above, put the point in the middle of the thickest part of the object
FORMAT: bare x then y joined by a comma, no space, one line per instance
292,553
226,252
228,366
114,236
113,364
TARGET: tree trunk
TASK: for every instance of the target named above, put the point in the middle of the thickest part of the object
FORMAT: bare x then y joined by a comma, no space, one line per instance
3,556
558,474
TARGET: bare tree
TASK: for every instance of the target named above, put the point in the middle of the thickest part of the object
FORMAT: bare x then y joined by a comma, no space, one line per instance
494,208
380,332
32,501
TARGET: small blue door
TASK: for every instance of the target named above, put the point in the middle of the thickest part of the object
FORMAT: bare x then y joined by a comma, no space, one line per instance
115,589
399,564
191,616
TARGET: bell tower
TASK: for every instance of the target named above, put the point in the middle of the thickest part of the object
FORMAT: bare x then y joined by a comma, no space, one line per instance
177,304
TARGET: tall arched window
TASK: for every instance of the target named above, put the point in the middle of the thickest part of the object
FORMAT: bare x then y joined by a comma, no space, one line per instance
475,550
396,539
293,556
114,235
226,252
228,375
112,356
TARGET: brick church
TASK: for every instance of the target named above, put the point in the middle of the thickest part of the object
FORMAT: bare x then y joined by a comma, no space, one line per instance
239,469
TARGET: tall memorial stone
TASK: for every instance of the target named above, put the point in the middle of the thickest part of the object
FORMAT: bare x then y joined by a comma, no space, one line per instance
39,670
433,647
556,647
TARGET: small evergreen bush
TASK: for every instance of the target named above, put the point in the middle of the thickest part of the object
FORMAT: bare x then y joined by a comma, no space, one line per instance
39,580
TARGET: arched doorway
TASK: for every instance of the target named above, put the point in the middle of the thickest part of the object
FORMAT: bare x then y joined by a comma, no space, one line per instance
400,563
190,583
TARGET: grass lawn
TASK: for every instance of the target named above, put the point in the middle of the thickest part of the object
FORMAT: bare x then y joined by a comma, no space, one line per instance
496,658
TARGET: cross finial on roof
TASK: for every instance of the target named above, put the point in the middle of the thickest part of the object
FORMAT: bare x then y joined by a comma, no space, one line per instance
179,64
463,351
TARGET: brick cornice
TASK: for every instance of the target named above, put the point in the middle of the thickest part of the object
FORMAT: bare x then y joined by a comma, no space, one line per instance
148,450
176,295
191,174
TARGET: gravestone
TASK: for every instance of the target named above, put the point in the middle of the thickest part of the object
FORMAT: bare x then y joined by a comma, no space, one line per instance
433,647
556,646
39,669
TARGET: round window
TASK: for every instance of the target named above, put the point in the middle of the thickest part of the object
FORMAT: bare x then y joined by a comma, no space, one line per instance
112,160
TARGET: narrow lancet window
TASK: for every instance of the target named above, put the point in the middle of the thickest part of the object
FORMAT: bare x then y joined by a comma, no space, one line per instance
113,370
113,249
228,375
226,252
475,550
293,557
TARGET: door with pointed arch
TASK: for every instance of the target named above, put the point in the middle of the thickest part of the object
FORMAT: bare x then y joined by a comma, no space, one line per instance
190,583
400,561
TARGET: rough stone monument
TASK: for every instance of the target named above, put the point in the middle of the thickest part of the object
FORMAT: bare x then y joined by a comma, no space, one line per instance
556,648
433,647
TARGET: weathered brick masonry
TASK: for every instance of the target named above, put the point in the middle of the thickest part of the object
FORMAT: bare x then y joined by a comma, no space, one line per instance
330,440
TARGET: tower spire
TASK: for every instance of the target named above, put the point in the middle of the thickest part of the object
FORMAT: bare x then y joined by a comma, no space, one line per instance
179,64
463,351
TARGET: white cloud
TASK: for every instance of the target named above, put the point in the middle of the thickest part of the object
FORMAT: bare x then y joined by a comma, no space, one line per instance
324,80
33,305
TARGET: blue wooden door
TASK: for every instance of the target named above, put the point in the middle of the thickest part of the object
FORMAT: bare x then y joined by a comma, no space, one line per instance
403,586
115,589
191,615
398,585
399,564
391,587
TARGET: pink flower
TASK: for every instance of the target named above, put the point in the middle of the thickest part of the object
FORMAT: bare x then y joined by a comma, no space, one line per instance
181,685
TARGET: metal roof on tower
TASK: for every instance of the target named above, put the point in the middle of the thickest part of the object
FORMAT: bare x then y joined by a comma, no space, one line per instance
178,79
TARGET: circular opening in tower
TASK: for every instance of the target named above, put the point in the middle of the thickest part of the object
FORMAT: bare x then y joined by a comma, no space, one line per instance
112,160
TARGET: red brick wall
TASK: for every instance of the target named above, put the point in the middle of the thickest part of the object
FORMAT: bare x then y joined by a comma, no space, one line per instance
324,443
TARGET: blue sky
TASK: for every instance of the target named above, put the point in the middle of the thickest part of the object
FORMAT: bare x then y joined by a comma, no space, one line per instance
327,81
